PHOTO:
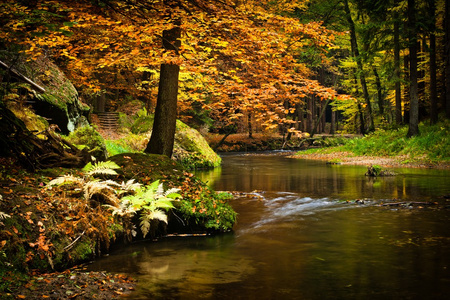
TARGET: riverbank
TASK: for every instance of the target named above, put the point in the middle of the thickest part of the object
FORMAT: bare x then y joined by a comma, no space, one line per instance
46,231
348,158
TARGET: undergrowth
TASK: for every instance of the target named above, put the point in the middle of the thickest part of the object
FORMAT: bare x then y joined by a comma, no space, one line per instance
433,143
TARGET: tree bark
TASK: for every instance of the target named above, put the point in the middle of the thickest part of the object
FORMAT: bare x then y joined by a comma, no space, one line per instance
398,88
163,132
379,91
433,67
413,86
447,59
249,123
333,122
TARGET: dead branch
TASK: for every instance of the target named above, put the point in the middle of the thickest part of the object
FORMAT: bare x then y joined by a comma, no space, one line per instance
22,77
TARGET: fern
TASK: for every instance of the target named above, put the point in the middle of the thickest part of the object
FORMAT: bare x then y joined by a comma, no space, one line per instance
102,167
130,186
102,188
149,216
123,199
150,200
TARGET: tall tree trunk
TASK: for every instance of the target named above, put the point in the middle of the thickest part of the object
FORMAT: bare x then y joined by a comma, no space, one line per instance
447,59
362,77
413,87
398,88
318,121
309,112
433,67
333,122
362,128
379,91
249,123
163,132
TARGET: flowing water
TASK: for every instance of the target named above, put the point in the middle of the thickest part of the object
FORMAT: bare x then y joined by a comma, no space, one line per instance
301,235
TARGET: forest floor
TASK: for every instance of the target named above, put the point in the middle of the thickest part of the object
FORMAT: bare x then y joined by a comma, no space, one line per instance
75,283
23,198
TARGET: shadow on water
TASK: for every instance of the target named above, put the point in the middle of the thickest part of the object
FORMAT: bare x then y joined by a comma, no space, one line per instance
297,238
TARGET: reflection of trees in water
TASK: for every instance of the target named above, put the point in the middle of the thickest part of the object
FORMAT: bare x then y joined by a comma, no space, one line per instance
190,270
317,179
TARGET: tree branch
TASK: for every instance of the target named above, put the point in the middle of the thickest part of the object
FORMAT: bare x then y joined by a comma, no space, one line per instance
21,76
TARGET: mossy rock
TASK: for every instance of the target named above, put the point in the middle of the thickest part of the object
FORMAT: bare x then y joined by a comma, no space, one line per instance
142,124
32,121
192,150
87,136
59,103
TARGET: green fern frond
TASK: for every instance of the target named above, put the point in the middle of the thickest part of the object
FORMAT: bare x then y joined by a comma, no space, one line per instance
172,193
66,179
102,167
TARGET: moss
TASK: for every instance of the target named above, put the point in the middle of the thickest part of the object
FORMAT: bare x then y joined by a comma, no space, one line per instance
82,251
89,137
142,124
192,150
33,122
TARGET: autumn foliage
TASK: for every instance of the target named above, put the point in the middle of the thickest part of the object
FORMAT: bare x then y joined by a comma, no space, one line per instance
238,58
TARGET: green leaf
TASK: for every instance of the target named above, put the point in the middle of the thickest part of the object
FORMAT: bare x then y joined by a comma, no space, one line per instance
70,24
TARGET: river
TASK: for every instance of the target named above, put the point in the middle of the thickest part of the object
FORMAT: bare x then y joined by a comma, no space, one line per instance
301,234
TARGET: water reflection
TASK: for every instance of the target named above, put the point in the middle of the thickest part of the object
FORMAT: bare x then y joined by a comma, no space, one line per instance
296,239
317,179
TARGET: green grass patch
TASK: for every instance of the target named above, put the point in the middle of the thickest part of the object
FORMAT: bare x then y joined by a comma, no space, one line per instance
433,144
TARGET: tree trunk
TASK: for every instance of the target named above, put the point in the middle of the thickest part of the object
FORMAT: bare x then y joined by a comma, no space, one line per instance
433,67
413,87
398,88
309,112
362,77
447,59
379,91
333,122
249,123
362,127
163,132
322,111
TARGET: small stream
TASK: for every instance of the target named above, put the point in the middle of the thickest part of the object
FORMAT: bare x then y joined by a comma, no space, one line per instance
301,235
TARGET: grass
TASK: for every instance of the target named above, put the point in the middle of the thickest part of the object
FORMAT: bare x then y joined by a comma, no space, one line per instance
432,144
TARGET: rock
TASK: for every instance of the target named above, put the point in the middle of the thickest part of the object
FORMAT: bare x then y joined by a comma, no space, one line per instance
59,104
192,150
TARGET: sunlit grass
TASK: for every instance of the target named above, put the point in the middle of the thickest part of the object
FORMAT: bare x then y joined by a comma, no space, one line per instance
433,143
114,147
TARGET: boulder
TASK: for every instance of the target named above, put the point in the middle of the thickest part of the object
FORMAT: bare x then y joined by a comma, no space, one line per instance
59,104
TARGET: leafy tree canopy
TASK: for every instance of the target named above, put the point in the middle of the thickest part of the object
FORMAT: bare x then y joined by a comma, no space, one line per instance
237,56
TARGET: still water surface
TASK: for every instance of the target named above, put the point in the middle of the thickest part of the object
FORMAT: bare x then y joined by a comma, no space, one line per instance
297,239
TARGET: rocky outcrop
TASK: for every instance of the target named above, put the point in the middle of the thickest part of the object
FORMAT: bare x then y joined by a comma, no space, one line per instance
59,103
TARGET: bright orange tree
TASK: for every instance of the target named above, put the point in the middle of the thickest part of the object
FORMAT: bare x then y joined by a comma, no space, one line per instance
237,57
